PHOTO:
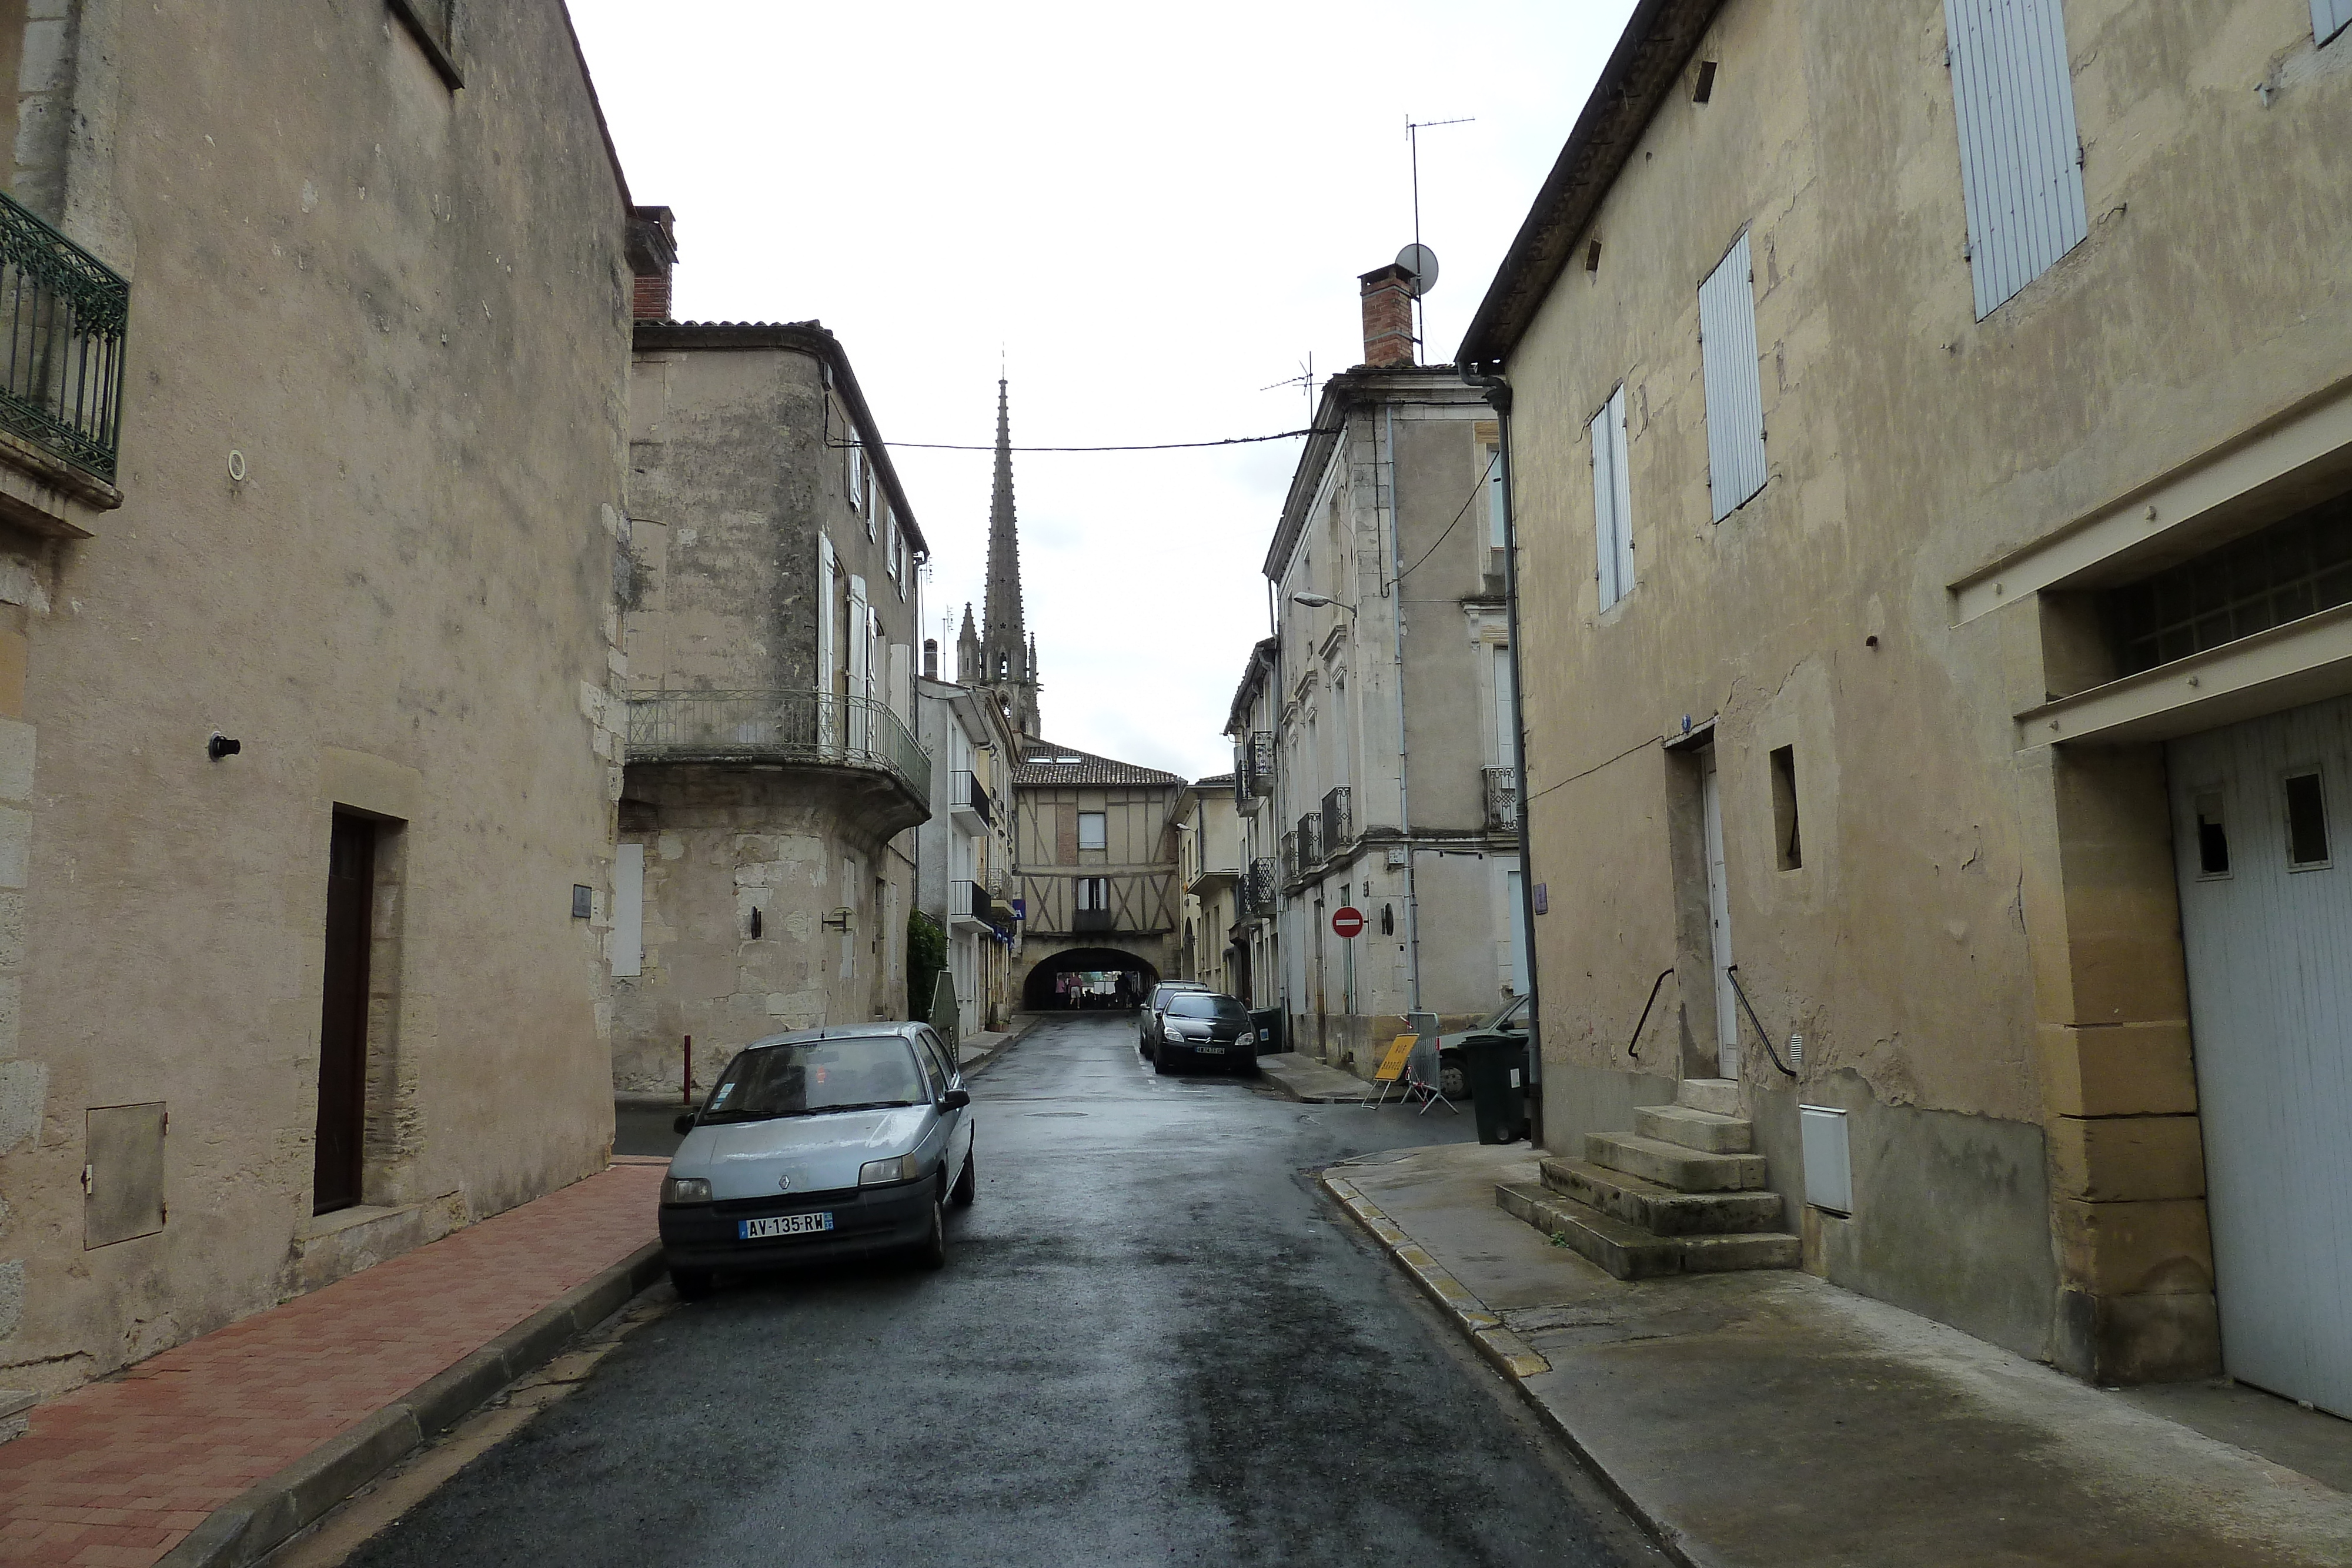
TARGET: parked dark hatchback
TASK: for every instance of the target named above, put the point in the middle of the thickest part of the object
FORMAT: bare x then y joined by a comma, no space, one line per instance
1204,1028
1146,1023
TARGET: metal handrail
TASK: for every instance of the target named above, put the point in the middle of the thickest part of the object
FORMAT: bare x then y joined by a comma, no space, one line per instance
1733,970
1635,1037
822,727
65,315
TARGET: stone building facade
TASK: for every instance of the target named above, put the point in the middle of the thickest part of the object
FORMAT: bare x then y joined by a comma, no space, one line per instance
1095,846
308,519
1256,936
1930,437
1392,730
766,868
965,853
1209,867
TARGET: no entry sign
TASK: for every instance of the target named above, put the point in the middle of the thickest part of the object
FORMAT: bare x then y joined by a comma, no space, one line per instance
1347,921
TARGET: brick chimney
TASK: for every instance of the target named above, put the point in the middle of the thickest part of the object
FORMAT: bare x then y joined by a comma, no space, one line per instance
1388,317
653,251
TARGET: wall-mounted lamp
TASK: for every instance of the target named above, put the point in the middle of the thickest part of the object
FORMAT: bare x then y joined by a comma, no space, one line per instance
1321,601
220,746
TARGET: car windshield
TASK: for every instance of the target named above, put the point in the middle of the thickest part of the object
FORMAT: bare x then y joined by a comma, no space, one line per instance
1200,1005
816,1078
1510,1015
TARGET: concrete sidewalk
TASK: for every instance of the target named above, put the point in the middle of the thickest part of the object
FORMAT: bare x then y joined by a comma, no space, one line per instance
1302,1078
977,1050
1769,1418
248,1432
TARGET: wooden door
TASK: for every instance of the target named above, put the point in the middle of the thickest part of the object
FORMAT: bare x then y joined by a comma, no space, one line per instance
2266,918
342,1018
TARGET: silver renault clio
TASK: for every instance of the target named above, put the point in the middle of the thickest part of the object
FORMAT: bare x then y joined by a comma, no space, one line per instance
824,1144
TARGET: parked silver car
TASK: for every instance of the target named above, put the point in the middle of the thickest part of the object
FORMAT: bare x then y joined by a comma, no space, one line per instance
824,1144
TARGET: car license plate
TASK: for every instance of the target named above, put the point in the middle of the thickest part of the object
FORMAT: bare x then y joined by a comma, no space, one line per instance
1207,1049
782,1225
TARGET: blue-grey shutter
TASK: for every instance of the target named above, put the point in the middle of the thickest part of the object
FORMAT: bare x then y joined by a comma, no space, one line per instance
1735,387
2328,19
2013,99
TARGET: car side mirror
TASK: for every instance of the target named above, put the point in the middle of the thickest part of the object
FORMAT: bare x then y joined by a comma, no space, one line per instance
955,1100
683,1124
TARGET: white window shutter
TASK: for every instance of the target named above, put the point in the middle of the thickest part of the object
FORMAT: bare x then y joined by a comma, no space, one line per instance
2020,159
828,574
1613,505
1735,388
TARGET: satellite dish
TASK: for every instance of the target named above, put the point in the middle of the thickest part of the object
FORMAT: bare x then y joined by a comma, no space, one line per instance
1421,262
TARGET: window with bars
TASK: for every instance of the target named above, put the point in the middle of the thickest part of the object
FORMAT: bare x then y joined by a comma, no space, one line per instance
2291,569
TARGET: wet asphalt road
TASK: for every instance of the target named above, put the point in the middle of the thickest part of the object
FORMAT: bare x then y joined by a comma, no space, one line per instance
1154,1343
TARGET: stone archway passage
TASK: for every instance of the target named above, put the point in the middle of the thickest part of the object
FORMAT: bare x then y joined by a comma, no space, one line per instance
1039,994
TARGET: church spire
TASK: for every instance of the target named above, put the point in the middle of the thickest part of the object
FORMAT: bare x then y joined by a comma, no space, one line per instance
1008,653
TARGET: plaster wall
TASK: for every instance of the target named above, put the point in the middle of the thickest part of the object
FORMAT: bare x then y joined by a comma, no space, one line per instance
1968,911
795,845
404,310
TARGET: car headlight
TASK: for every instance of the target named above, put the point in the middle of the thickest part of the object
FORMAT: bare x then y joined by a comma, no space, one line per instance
1246,1037
880,1172
685,1190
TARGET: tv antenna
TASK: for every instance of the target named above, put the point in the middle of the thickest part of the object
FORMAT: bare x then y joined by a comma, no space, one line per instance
1303,379
1423,282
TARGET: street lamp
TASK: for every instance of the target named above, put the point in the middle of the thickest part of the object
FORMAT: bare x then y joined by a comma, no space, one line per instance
1321,601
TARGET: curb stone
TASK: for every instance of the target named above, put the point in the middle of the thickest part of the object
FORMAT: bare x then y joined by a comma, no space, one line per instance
1511,1355
246,1528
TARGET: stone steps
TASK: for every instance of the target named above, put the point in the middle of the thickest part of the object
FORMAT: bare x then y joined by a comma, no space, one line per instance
1701,1130
1684,1193
1719,1096
1631,1252
1660,1208
1673,1165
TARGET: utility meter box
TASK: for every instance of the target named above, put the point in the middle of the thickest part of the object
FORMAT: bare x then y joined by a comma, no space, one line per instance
1829,1165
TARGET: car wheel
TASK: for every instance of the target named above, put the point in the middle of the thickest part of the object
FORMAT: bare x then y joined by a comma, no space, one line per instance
1450,1081
931,1251
1246,1066
1163,1060
692,1284
967,1185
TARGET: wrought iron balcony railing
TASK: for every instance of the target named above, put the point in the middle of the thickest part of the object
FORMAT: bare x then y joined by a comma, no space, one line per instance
1339,819
967,793
65,313
1254,769
970,901
817,727
1091,920
1260,887
1502,799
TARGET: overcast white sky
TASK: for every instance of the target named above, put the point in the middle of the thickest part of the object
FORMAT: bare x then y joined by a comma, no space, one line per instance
1154,212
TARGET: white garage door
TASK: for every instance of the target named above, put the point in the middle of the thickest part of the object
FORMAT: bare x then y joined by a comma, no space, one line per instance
2261,811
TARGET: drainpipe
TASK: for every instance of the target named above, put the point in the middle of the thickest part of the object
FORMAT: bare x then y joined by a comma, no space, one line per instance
1497,392
1405,764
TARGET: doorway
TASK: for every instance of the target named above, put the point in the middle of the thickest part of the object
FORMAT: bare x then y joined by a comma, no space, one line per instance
343,1015
1718,919
2258,811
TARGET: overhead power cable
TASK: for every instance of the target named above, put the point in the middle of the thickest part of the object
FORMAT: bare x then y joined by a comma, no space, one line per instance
1152,446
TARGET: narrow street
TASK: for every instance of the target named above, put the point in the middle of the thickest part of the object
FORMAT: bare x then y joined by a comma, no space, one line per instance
1153,1344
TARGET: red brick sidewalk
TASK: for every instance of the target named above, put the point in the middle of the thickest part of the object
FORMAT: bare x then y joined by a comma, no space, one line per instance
116,1472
